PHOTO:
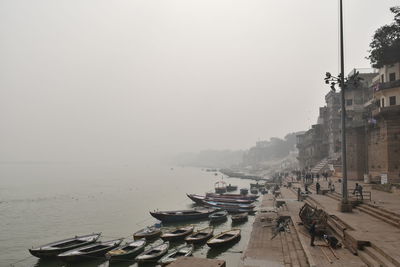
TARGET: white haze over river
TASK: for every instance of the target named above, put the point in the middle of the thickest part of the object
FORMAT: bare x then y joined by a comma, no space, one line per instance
40,203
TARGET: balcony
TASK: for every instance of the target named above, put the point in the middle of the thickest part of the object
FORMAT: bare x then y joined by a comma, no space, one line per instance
386,111
387,85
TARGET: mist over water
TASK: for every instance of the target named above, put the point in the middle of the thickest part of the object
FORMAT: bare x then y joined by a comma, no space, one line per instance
43,202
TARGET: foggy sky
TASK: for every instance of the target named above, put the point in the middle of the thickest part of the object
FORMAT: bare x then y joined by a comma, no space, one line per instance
118,80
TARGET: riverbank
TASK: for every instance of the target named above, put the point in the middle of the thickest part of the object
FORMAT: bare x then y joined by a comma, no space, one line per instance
369,234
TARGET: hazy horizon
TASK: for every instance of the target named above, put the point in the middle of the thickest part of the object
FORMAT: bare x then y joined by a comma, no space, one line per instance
129,80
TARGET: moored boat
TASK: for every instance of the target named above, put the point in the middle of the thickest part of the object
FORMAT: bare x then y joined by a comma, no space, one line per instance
177,233
154,253
127,251
182,215
240,196
200,199
254,190
240,217
89,252
224,238
57,247
220,187
149,232
218,216
228,206
200,236
244,191
230,188
182,251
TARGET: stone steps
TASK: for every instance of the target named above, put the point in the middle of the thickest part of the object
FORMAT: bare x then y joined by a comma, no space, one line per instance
293,253
388,212
301,256
387,256
379,215
378,257
367,259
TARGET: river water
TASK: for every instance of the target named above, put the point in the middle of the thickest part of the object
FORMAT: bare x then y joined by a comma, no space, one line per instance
42,202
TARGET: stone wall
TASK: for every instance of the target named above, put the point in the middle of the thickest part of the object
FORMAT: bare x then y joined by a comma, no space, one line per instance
356,153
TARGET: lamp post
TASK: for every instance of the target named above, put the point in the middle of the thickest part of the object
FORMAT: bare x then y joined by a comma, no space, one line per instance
344,206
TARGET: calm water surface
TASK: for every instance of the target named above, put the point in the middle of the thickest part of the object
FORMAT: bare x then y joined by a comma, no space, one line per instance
41,203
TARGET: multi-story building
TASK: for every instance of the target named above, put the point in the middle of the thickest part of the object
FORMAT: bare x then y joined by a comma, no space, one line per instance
332,123
384,131
359,99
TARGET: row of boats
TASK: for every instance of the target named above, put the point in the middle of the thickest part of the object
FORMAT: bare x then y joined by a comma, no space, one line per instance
216,208
87,247
212,203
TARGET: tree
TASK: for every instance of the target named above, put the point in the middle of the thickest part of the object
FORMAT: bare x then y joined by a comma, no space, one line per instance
385,45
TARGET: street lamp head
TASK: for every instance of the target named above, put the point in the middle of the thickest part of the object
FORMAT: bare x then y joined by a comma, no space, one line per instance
328,75
333,87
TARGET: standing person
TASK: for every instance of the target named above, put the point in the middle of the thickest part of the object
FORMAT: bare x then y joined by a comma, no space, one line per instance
298,194
329,183
333,188
359,190
312,232
318,186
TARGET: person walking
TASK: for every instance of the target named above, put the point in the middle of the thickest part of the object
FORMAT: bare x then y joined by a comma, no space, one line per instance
312,232
298,194
358,190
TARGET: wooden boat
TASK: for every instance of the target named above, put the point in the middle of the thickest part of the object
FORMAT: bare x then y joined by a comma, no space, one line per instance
257,185
239,196
218,216
89,252
182,251
57,247
244,191
198,199
224,238
240,217
254,190
220,187
154,253
178,233
182,215
229,206
127,251
230,188
149,232
200,235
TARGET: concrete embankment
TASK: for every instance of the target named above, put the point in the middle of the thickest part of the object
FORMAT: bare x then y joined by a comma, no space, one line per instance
290,247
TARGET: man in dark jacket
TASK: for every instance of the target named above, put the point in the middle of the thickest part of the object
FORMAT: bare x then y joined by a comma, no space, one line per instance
312,232
318,187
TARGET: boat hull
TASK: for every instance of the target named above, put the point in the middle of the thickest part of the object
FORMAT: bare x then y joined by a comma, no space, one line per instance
172,237
90,255
217,242
174,216
43,253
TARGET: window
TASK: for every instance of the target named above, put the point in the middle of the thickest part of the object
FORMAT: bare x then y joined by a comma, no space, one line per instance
392,100
382,102
392,76
349,102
